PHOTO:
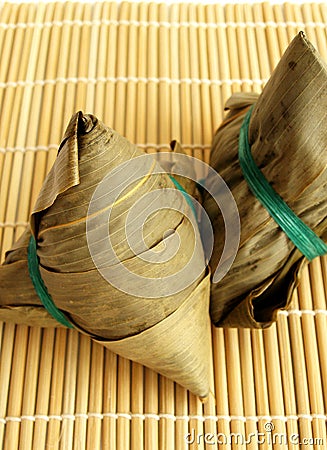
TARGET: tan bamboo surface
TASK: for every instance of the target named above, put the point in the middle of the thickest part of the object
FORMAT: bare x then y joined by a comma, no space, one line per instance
154,72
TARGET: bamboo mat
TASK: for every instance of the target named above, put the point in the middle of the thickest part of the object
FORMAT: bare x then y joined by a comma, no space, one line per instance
154,73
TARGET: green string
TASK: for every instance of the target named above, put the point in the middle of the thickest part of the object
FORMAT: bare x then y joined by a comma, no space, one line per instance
38,283
186,195
309,244
40,287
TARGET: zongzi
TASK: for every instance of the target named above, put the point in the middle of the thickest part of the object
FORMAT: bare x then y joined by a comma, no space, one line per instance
63,261
275,142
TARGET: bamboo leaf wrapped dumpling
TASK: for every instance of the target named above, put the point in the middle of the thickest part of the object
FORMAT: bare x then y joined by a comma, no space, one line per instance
169,333
287,136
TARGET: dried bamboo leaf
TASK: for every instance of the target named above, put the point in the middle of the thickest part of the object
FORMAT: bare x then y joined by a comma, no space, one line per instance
166,333
288,138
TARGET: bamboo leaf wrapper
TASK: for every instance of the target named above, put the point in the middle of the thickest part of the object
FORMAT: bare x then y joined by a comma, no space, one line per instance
170,334
288,138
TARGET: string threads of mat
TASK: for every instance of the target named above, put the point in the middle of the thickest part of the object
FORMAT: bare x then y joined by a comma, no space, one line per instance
161,24
165,416
45,148
134,79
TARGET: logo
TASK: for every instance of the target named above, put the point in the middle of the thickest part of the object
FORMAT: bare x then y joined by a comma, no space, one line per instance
134,201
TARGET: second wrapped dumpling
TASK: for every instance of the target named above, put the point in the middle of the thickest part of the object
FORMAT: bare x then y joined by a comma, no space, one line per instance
279,136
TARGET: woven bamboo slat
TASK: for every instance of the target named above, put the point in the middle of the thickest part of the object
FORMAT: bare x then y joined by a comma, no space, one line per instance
153,72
